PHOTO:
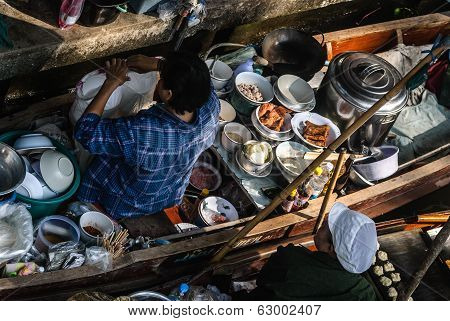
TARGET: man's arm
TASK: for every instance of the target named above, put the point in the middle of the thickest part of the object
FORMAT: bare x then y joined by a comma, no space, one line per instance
144,64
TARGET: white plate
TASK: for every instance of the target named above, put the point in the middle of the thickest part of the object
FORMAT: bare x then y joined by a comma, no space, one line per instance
266,172
266,134
297,108
298,123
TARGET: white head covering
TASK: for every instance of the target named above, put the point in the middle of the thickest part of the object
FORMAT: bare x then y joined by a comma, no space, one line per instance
354,238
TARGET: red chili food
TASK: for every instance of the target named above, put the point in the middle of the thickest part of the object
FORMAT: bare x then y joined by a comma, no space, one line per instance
203,177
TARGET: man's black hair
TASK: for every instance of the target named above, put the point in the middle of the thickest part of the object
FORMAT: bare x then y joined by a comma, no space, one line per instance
187,76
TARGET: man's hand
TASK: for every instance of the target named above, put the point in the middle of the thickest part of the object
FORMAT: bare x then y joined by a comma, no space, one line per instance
116,72
142,64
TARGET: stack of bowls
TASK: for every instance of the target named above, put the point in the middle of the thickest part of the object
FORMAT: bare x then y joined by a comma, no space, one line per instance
294,93
242,103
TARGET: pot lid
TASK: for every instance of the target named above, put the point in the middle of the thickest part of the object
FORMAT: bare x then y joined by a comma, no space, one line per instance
363,78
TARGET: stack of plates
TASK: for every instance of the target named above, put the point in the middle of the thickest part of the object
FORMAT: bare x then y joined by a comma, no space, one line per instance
270,135
294,93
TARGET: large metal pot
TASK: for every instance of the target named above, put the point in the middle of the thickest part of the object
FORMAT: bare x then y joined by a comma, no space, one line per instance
354,82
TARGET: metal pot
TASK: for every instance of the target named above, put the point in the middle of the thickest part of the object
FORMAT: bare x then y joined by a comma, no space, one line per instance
354,82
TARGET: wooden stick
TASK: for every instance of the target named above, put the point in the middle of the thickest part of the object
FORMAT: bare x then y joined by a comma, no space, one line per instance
331,186
330,149
430,257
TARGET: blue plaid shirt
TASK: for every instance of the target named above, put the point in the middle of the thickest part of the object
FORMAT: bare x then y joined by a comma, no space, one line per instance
144,162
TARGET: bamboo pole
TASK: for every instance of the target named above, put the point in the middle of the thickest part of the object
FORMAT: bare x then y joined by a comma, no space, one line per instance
430,257
330,190
326,152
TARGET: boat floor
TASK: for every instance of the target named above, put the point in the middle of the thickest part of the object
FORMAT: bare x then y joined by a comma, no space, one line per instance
406,251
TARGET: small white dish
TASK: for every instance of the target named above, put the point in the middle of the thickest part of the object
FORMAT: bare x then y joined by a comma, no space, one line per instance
57,170
31,187
264,173
298,108
298,124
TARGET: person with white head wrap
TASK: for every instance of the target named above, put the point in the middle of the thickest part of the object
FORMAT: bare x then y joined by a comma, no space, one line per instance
346,245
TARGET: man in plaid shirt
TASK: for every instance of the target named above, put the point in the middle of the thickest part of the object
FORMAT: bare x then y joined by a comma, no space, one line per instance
143,163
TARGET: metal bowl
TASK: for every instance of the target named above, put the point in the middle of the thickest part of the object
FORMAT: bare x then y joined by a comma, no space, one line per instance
12,169
251,166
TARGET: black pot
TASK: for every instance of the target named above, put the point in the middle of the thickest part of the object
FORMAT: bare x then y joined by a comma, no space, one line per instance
100,12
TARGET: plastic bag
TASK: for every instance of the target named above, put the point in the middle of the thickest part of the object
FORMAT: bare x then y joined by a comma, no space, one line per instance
17,225
59,253
99,257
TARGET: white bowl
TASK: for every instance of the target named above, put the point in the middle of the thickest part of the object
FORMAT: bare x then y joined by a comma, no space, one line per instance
31,187
221,74
298,123
298,108
98,221
47,193
287,126
380,169
57,170
31,142
227,112
294,151
214,204
228,142
295,90
251,78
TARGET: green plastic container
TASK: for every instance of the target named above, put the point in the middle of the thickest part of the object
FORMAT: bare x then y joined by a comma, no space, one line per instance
42,208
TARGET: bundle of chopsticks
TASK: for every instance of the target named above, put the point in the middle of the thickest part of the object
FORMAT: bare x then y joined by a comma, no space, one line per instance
114,243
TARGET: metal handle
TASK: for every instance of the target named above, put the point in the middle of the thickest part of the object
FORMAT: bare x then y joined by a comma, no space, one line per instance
320,33
122,8
369,71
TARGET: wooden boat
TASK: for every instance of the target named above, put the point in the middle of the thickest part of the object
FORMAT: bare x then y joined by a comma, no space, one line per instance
189,251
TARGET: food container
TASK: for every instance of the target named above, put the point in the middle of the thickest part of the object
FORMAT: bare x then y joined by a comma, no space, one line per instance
286,129
221,74
298,124
212,206
55,229
215,176
230,134
251,165
354,82
12,169
98,221
378,169
243,104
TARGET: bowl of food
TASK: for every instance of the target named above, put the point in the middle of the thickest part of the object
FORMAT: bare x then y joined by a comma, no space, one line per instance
95,225
274,119
256,156
234,135
220,74
227,112
314,130
251,90
205,176
215,210
289,158
12,169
